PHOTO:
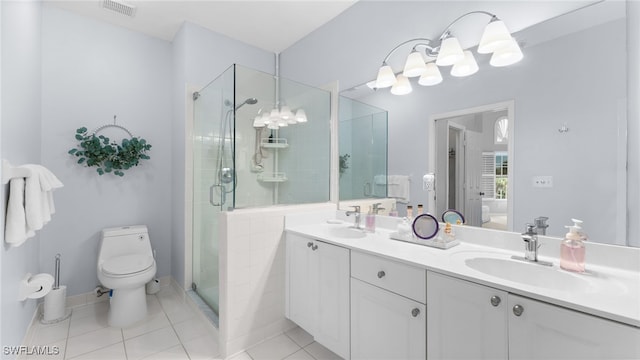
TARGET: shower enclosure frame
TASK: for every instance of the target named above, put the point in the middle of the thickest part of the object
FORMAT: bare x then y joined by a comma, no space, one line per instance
230,146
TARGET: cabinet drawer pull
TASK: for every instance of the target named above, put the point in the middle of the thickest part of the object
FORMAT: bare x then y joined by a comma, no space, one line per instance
518,310
314,247
381,274
415,312
495,300
309,244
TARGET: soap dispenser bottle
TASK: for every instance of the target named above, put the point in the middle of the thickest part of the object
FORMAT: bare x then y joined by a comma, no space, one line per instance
393,212
370,224
572,250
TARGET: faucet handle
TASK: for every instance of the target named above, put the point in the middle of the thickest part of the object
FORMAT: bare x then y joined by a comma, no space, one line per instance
356,208
530,230
377,207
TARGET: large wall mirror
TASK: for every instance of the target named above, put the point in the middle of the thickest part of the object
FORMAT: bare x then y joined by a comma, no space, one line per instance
565,146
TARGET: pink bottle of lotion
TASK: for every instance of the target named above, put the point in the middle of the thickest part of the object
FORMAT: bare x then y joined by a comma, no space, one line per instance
572,249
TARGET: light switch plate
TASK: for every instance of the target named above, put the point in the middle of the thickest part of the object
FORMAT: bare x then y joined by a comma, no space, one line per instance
543,181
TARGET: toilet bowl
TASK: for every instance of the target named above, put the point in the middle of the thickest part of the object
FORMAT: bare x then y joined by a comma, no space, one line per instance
125,265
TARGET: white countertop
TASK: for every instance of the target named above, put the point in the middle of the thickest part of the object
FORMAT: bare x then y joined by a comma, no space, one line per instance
608,292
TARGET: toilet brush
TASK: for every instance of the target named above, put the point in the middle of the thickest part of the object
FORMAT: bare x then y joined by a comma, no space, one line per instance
55,300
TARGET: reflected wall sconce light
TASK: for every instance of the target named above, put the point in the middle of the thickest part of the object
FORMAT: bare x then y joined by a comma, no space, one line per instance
446,51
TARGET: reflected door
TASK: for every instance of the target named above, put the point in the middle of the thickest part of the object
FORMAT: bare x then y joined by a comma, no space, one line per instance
473,178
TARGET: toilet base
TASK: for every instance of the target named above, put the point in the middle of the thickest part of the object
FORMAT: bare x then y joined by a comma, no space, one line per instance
127,306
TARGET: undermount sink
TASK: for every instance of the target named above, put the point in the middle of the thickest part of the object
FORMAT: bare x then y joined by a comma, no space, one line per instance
531,274
347,232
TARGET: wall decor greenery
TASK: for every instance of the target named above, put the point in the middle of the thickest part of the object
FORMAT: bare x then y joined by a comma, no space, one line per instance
344,163
108,156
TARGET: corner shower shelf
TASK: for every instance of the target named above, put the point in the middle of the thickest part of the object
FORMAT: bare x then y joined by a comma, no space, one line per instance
272,177
274,143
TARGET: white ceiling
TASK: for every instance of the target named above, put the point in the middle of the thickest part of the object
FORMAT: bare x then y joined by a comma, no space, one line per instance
276,25
266,24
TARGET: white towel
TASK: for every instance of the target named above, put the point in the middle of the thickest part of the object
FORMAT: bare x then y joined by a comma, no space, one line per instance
399,187
30,204
16,231
38,197
380,179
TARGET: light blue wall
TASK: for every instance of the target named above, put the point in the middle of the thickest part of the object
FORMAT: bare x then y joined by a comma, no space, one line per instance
91,72
200,55
21,134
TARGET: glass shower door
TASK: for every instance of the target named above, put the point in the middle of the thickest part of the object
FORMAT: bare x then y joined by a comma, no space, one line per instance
213,180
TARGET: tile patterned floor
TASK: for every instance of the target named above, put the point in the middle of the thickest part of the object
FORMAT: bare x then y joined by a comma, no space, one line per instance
172,331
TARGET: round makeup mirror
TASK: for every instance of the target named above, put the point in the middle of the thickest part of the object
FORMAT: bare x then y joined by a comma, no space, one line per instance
425,226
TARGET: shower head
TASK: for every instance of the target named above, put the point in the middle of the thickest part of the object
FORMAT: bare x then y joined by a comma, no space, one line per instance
249,101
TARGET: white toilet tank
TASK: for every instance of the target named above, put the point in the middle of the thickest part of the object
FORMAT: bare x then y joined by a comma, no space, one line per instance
126,240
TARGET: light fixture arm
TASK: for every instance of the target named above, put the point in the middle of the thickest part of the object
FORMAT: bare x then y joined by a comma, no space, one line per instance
447,30
429,41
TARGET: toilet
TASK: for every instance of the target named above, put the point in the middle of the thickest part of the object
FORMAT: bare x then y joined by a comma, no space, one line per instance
125,265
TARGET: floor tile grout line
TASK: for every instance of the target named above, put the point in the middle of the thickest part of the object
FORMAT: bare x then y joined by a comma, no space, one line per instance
308,353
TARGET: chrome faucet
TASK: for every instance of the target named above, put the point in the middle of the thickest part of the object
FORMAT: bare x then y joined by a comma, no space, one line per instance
356,212
541,225
530,237
376,208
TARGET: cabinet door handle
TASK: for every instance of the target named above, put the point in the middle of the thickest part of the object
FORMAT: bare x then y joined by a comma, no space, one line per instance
415,312
495,300
381,274
518,310
314,247
309,244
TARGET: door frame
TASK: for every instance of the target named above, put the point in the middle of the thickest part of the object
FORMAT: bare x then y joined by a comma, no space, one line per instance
431,164
461,167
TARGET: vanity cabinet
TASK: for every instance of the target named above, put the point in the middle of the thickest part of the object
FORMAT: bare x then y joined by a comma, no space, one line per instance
468,320
465,320
388,313
318,291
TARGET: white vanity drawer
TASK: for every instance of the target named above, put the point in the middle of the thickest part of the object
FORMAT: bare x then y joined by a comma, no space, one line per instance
402,279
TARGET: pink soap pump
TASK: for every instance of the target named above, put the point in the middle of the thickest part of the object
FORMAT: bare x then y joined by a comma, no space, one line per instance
572,249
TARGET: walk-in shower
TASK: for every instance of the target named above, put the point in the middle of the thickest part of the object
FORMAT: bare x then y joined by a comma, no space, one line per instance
250,150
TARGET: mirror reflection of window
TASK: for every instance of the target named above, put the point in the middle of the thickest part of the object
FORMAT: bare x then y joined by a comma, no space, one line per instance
501,130
502,166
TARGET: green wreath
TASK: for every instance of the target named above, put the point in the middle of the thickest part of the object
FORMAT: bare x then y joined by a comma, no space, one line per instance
109,156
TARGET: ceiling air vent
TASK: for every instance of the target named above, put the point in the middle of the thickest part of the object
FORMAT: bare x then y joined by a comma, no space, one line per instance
119,7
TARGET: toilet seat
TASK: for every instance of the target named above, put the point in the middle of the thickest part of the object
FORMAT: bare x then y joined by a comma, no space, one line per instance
127,264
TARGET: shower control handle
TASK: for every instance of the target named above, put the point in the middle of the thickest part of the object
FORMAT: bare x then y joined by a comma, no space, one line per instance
211,196
314,247
309,244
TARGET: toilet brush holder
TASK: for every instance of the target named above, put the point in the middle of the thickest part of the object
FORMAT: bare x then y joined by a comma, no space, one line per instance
153,286
55,306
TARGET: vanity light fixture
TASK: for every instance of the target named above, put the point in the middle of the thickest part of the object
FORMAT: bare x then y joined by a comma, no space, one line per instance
495,40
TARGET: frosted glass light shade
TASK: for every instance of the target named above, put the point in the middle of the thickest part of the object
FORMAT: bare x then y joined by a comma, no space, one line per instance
414,66
507,55
301,116
274,116
273,126
465,67
494,37
386,77
431,76
265,118
450,52
285,112
257,122
402,86
283,123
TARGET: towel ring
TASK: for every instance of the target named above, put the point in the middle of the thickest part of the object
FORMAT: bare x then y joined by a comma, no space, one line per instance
114,125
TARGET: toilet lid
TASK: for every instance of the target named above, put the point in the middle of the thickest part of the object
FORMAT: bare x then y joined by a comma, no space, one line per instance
127,264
